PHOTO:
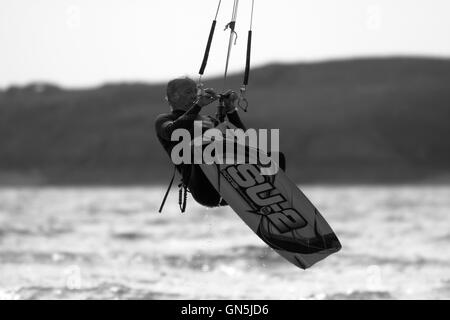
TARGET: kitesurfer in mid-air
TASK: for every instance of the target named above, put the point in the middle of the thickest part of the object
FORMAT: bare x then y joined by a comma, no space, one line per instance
186,103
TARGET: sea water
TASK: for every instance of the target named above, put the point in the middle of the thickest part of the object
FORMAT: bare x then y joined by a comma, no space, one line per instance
111,243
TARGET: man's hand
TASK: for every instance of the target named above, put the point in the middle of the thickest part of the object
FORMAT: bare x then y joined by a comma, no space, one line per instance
230,101
207,97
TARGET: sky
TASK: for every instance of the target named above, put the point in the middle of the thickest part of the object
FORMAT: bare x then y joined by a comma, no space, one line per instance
81,43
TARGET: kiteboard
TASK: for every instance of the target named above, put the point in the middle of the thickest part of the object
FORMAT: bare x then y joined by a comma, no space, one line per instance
275,209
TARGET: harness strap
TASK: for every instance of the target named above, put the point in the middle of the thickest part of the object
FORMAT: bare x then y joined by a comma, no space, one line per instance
182,200
168,189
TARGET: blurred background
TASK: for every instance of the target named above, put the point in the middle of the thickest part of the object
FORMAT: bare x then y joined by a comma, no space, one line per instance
359,90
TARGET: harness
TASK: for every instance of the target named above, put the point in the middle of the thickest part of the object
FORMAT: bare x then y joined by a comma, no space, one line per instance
182,192
242,102
220,116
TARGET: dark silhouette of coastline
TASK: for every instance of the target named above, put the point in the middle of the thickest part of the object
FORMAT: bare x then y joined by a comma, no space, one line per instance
350,121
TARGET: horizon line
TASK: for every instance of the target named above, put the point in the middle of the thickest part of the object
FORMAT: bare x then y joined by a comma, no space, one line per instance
215,76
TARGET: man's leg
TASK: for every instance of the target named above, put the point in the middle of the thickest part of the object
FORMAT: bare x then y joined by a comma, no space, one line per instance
202,190
282,161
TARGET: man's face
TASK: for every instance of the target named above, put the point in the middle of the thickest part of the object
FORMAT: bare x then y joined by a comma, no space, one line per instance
185,96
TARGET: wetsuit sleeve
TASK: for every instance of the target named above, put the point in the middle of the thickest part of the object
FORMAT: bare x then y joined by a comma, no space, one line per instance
234,118
165,125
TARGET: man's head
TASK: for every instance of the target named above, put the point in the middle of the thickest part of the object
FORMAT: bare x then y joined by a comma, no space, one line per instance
181,93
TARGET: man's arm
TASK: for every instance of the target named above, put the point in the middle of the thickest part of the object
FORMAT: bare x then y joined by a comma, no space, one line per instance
165,125
232,111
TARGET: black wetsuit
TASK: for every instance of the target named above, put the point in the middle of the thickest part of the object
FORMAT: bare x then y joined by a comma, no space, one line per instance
198,184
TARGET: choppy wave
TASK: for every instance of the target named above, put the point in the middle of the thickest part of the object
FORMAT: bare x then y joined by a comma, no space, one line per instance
103,291
33,257
112,244
365,259
355,295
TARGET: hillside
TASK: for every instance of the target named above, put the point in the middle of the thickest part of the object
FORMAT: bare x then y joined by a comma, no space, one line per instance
367,120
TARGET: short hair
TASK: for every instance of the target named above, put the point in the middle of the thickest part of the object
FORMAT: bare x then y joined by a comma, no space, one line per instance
175,84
